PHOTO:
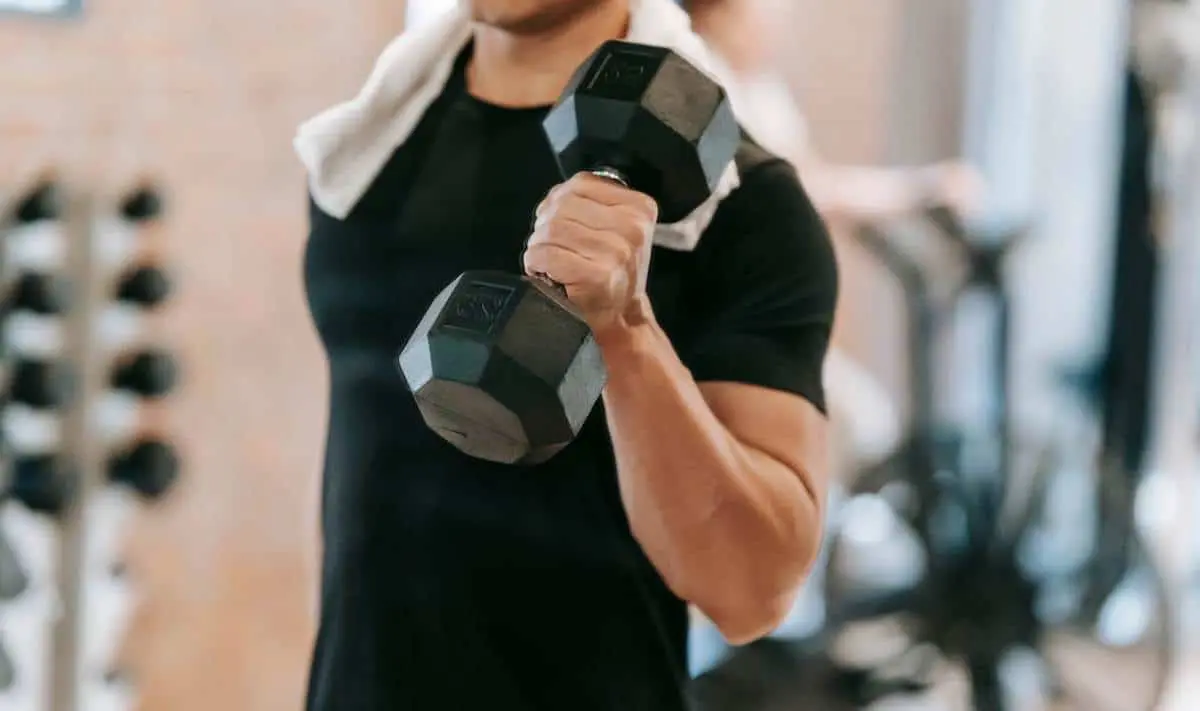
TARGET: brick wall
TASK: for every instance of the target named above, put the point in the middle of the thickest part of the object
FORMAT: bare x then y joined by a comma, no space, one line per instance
204,95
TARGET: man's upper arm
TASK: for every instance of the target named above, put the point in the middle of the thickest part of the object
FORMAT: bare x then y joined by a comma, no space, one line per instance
769,285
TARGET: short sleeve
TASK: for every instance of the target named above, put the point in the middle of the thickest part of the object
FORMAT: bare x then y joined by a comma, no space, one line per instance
764,288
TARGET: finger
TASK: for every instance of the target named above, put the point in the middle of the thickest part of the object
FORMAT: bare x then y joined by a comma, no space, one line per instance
604,191
585,241
609,192
550,199
561,265
622,219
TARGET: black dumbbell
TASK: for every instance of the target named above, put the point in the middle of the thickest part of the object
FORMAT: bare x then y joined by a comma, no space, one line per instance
39,293
43,202
149,467
150,373
40,384
144,286
142,205
42,484
502,366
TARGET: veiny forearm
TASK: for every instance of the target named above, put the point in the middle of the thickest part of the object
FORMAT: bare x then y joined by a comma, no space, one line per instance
731,529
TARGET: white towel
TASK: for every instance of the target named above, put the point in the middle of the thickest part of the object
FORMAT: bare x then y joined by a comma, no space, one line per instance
345,147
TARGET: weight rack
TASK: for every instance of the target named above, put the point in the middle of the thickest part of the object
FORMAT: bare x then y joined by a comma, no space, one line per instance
90,245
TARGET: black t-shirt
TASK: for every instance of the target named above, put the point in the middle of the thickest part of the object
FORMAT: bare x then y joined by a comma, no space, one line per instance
456,584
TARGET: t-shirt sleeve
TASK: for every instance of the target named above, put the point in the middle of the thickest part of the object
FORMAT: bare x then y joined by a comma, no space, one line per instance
764,289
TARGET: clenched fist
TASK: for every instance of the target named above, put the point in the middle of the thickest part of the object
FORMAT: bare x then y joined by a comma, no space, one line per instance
593,236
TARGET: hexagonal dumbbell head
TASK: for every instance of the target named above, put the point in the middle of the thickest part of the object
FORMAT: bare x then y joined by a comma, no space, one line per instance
646,112
149,467
503,368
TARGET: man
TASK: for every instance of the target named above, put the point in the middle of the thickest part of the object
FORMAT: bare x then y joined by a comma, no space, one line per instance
452,583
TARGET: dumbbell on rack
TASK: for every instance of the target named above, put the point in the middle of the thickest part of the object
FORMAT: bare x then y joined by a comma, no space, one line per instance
146,465
33,383
75,371
137,464
39,382
35,488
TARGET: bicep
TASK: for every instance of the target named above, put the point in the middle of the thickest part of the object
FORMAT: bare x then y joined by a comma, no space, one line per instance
771,285
781,426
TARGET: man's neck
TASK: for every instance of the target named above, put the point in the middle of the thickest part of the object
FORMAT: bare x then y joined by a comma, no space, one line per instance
532,68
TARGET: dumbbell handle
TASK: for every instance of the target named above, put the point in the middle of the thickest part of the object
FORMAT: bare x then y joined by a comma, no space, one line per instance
607,173
611,174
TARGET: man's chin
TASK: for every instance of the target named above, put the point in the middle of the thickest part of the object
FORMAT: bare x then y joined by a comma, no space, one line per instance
516,24
528,21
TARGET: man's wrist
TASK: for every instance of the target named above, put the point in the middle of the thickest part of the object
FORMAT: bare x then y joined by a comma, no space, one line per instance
635,333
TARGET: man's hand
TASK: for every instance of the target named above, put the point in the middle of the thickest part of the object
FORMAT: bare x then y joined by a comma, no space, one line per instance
593,236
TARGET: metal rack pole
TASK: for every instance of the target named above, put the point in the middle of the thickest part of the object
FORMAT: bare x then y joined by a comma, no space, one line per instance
81,455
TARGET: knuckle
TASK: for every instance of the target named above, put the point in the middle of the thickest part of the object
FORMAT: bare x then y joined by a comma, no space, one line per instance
538,236
636,228
647,206
568,203
531,254
556,195
557,231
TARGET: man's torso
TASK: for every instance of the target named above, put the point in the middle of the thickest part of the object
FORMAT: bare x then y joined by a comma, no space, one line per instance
449,582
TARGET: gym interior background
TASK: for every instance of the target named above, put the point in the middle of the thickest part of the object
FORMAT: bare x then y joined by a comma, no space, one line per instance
163,420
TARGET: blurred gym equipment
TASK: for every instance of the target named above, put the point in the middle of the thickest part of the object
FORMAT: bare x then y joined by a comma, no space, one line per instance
41,483
1166,59
77,373
13,579
39,384
1001,572
8,673
145,286
149,467
970,557
148,373
42,202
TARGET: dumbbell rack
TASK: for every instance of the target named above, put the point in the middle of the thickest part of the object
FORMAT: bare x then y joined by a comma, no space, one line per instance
80,597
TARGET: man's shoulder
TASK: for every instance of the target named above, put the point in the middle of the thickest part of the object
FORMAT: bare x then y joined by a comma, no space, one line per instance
751,155
769,211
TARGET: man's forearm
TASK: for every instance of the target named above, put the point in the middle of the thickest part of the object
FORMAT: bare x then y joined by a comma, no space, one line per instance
730,528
